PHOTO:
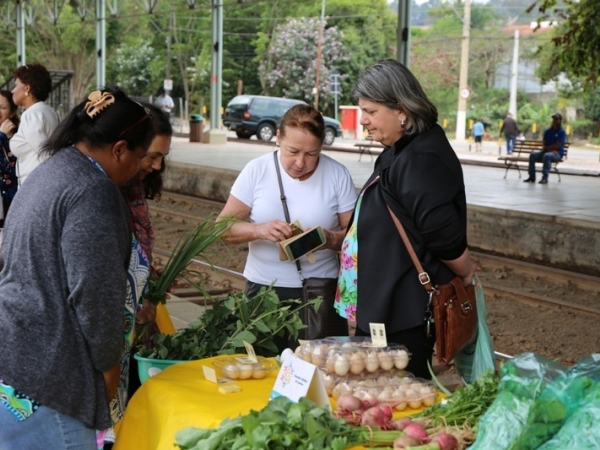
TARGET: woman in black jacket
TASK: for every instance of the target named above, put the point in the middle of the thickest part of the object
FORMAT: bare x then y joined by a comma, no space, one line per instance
420,177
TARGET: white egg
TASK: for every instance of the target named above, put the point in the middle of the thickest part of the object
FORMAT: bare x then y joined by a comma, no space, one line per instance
401,359
357,363
342,365
330,363
231,371
372,362
415,404
287,352
386,362
246,371
401,406
429,400
259,372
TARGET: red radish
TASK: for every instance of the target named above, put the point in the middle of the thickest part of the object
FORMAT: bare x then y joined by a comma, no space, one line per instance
416,431
349,402
446,441
405,442
378,416
401,424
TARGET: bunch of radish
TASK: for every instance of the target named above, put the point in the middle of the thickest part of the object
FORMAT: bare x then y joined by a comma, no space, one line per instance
414,436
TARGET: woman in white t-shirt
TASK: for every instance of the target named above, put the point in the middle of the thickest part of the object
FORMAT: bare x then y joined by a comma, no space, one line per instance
319,191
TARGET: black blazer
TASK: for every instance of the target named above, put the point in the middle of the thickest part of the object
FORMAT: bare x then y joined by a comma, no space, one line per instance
421,178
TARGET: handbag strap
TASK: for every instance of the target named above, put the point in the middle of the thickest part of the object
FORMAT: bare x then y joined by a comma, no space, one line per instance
423,276
285,207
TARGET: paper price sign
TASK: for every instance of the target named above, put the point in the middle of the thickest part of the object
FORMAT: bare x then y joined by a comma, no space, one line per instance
378,337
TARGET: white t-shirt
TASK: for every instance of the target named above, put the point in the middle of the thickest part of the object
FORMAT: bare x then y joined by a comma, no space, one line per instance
37,124
313,202
164,102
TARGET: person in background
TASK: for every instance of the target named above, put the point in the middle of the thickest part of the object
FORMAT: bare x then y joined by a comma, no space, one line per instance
9,124
511,131
554,149
478,132
319,191
64,281
164,102
32,87
419,177
146,185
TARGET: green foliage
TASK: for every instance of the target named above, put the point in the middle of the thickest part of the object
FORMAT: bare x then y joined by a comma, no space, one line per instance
223,328
283,424
131,68
577,40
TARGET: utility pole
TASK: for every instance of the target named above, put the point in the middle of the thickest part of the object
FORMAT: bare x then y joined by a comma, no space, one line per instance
100,44
319,51
463,91
20,13
215,134
514,77
169,40
403,32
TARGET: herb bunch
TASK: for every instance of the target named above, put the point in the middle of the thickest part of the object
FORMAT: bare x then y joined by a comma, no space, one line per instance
284,424
222,329
194,244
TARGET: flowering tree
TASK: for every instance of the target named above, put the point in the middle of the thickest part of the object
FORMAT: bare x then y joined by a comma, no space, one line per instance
289,67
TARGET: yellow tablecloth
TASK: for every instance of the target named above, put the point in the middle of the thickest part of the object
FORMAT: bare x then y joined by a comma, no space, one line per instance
181,397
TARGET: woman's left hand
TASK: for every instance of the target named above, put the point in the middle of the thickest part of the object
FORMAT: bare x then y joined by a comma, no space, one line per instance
147,314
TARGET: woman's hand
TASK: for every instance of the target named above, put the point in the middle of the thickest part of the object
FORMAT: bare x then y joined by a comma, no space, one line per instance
464,267
274,231
147,314
111,380
8,128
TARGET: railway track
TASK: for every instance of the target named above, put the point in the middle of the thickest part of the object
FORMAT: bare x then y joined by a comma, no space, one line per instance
490,262
552,301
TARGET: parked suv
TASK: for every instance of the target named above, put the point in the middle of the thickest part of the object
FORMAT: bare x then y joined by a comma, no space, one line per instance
256,114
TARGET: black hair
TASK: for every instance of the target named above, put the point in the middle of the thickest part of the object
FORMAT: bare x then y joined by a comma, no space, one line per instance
37,78
15,119
124,119
153,182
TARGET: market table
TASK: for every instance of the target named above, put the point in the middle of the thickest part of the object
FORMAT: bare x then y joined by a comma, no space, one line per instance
181,397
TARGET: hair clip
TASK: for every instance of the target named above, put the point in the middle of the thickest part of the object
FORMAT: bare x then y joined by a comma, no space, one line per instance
97,102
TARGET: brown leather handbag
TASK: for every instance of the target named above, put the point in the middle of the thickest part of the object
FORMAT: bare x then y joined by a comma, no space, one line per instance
452,305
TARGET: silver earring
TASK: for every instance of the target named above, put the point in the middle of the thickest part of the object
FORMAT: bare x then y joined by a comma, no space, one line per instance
402,123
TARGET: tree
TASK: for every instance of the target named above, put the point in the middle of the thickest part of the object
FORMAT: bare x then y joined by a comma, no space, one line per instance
293,52
577,41
131,67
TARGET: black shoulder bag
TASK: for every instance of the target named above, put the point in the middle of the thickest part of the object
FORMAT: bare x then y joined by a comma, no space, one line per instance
326,321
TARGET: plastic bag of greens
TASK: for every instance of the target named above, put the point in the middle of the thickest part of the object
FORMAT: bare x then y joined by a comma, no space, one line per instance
477,359
580,431
522,381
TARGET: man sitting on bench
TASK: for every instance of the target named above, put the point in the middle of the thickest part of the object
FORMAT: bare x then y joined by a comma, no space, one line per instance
553,150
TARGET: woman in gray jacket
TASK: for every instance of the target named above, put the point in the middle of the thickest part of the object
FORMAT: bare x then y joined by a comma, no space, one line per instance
67,246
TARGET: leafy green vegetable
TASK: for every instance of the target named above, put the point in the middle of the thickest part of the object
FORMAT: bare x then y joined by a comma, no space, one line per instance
282,424
223,328
466,405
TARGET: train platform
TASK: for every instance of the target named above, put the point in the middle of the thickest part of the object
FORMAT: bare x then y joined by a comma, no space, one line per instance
555,224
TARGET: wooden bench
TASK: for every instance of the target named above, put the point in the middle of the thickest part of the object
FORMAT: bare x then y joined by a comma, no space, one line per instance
366,146
521,154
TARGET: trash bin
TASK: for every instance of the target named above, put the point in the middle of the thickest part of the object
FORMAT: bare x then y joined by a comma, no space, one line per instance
196,127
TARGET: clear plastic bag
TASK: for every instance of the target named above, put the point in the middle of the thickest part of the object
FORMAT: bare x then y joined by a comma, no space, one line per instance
477,358
537,399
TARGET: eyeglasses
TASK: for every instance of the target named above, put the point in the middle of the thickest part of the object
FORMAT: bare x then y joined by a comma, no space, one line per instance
137,122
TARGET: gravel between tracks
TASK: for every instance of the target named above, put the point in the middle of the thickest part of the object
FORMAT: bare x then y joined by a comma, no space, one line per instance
515,327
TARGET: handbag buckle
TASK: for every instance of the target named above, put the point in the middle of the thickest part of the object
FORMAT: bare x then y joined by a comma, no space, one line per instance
466,307
424,278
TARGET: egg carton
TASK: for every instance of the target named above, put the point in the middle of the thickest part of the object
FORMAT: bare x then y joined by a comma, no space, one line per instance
410,393
335,384
355,356
239,367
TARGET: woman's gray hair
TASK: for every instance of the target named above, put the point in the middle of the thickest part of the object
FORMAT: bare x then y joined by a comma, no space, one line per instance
391,83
